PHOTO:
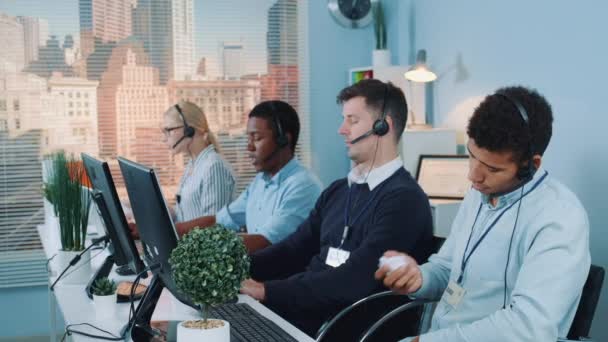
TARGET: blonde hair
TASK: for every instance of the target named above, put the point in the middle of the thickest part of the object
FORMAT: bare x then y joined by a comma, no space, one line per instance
195,117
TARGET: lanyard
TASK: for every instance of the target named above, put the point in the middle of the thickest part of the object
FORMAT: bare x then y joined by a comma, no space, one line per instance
347,224
465,257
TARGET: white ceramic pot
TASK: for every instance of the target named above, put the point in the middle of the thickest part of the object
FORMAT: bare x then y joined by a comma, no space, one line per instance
219,334
105,306
78,274
381,58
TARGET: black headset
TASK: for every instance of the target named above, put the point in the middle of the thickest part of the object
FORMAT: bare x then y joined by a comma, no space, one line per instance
281,137
188,130
524,173
380,126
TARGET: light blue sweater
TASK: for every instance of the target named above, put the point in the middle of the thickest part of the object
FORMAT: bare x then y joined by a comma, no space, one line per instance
547,268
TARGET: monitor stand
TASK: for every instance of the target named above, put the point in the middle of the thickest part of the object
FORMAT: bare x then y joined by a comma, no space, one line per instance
102,272
141,330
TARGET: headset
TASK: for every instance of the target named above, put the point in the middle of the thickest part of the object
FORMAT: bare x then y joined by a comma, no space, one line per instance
188,130
380,126
280,137
524,173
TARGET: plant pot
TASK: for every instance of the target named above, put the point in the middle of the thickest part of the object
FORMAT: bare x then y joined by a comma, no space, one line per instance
77,274
381,58
105,306
216,334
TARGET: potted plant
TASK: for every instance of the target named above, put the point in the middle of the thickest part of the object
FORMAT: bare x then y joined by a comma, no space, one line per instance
104,297
208,266
71,203
381,56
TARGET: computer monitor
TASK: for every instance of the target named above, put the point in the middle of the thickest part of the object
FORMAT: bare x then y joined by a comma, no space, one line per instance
122,249
157,233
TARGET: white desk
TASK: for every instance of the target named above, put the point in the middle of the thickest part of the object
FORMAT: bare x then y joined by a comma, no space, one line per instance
78,308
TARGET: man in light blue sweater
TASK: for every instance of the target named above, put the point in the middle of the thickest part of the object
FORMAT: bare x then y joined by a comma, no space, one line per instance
517,257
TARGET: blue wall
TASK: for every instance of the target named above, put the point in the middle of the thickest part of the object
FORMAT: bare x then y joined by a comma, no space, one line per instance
557,47
25,312
333,50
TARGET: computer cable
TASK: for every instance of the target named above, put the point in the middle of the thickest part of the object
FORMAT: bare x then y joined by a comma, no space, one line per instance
69,331
75,260
111,337
86,261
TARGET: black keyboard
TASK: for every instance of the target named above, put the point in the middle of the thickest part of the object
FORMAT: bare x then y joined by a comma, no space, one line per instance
248,325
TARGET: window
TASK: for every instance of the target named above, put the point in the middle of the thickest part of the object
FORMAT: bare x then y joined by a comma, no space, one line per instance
129,88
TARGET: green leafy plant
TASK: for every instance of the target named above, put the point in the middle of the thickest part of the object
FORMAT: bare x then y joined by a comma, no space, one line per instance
71,202
104,287
379,25
208,265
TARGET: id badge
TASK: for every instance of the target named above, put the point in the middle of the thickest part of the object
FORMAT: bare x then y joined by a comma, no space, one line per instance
454,294
336,257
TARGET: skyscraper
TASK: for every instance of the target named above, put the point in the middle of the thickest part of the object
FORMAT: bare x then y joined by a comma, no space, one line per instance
282,34
11,40
105,21
281,81
166,27
51,58
35,34
231,55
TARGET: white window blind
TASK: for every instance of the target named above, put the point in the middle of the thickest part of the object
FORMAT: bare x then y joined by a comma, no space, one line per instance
95,76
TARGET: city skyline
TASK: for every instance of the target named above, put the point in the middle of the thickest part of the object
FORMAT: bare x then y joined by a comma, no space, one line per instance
129,69
215,21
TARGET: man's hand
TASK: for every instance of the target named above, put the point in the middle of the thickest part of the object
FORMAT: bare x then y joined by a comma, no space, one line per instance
133,230
254,242
254,289
405,279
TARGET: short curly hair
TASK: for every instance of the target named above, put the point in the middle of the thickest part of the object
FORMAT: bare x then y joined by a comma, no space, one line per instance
497,125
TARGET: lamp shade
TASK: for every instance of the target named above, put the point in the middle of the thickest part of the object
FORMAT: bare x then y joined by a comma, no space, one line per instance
420,72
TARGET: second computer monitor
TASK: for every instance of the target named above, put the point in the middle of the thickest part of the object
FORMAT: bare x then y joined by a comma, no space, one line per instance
153,220
124,250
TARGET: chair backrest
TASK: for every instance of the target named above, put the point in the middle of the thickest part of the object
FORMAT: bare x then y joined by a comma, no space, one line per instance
581,325
350,323
400,323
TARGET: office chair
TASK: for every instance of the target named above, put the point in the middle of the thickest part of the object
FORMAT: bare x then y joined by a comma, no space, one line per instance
350,323
417,314
410,319
586,308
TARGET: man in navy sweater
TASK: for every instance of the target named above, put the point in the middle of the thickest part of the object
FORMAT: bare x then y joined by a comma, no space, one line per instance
329,262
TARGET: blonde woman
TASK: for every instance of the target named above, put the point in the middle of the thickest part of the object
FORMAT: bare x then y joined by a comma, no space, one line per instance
208,182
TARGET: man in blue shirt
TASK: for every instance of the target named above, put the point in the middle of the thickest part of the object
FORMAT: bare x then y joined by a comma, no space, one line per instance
282,193
517,257
329,262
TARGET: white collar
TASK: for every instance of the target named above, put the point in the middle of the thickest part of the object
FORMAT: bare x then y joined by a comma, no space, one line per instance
376,176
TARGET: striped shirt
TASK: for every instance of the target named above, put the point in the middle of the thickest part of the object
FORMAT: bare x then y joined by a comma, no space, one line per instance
206,186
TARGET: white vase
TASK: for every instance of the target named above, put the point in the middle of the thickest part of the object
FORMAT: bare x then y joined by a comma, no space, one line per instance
381,58
105,306
219,334
80,273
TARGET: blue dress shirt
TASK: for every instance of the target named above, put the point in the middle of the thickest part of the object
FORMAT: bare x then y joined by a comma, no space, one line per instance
548,265
273,206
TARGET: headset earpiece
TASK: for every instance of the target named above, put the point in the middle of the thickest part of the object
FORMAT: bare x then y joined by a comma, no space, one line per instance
380,126
188,131
526,172
282,140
